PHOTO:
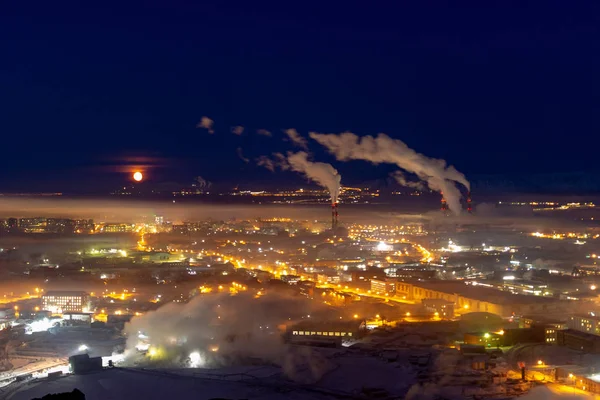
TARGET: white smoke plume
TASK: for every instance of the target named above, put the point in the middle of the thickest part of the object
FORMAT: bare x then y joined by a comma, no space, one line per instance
240,154
237,130
281,161
266,162
264,132
401,179
278,161
221,329
207,124
322,173
296,138
382,149
203,183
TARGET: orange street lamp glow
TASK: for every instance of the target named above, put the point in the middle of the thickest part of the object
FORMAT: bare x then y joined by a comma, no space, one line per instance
137,176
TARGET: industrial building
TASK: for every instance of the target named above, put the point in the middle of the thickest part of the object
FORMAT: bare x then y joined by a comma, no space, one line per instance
486,339
577,340
474,298
380,286
584,323
441,308
319,331
59,302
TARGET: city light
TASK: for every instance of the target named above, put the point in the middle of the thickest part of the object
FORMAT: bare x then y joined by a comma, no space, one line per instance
83,347
196,359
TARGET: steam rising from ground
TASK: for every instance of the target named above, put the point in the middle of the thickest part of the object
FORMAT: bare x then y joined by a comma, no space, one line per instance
217,330
322,173
382,149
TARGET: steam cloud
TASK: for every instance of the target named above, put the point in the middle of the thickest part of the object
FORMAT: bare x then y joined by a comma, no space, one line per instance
240,154
296,138
322,173
241,327
382,149
278,161
203,183
266,162
401,179
237,130
207,124
263,132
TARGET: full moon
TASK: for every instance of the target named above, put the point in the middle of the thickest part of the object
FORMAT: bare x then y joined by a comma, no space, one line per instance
137,176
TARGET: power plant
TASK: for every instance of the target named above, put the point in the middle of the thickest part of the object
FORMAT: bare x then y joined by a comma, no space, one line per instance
444,204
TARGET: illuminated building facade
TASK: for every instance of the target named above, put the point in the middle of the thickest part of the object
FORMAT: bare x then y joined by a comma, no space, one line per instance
59,302
383,286
327,330
584,323
118,228
441,308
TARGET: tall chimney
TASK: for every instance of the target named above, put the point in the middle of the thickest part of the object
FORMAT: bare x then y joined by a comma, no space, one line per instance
444,206
469,205
333,216
336,215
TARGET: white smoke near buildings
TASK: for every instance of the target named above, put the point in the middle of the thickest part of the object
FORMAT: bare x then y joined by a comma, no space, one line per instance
322,173
217,330
237,130
240,154
382,149
296,138
206,123
264,132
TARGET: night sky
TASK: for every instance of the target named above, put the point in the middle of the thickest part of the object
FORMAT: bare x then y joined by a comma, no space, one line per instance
493,89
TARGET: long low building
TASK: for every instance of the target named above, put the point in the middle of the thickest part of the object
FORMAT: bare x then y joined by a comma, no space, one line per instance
306,331
473,298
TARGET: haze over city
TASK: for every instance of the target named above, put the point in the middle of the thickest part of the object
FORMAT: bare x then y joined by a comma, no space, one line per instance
259,201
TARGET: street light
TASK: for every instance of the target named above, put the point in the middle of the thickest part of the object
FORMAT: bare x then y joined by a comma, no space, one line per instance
540,362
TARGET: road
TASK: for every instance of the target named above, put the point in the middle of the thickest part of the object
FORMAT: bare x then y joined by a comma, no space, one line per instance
7,377
562,390
556,387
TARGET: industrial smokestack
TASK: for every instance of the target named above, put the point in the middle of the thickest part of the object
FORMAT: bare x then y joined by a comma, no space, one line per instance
444,205
333,222
436,173
335,215
469,204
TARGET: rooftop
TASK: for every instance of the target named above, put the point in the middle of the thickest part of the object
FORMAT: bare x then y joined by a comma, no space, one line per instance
328,325
65,293
482,293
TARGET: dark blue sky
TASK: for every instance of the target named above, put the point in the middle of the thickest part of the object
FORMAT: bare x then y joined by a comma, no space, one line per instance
499,87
